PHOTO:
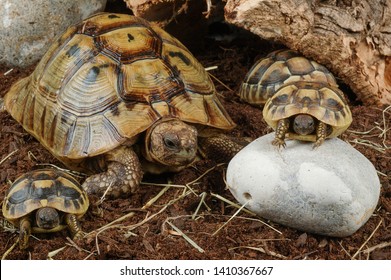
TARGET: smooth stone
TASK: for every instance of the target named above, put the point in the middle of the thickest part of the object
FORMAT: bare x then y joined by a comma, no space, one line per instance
332,190
27,28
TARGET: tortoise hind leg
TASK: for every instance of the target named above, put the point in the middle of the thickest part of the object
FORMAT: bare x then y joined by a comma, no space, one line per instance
24,232
122,177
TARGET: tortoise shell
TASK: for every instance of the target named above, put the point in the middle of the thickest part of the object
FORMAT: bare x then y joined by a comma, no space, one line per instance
106,80
279,68
325,103
44,188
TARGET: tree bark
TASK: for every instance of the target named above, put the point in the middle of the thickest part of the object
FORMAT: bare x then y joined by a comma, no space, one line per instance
185,19
352,38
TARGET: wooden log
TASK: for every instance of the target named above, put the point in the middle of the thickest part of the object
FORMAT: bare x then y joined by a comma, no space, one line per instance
185,19
350,37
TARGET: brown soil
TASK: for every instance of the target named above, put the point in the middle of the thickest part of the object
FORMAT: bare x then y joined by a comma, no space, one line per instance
156,230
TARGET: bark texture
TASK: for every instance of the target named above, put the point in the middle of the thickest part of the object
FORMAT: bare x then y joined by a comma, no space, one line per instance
352,38
185,19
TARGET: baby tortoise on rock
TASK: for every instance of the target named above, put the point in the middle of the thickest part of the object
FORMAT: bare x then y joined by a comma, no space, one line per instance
45,200
307,111
277,69
116,96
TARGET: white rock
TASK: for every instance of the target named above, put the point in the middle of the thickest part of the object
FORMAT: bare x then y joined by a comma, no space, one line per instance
332,190
27,28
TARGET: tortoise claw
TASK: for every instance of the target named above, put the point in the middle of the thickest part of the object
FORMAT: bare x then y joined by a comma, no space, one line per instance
79,235
279,143
317,143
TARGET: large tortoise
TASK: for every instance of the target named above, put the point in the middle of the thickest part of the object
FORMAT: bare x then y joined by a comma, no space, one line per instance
114,91
43,201
279,68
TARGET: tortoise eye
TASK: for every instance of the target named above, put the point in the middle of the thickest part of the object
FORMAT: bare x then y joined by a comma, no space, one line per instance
171,142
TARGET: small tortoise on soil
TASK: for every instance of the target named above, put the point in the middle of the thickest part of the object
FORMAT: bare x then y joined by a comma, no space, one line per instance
277,69
43,201
115,96
308,111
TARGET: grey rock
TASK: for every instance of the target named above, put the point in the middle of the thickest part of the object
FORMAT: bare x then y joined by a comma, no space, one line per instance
27,28
332,190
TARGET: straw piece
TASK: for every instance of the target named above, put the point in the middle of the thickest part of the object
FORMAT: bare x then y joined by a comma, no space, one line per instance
188,239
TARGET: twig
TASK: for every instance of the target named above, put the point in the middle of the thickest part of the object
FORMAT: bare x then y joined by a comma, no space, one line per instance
268,252
73,244
204,174
378,246
343,248
132,227
8,156
211,68
244,210
9,250
233,216
8,72
209,7
220,82
51,254
105,193
188,239
370,144
202,201
131,214
366,241
232,203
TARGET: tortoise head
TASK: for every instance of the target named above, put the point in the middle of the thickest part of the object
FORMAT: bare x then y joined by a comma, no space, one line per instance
303,124
171,142
47,218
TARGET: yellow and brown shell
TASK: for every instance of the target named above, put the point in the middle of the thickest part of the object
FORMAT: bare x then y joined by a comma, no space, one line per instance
325,103
44,188
106,80
277,69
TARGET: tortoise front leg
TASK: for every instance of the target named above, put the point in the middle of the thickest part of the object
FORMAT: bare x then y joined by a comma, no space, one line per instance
281,130
123,175
73,226
24,232
321,133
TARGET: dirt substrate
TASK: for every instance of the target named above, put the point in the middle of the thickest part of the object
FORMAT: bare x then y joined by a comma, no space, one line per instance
195,203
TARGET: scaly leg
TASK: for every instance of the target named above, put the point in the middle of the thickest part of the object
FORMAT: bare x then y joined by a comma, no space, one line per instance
281,130
74,226
24,232
122,178
221,148
321,133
